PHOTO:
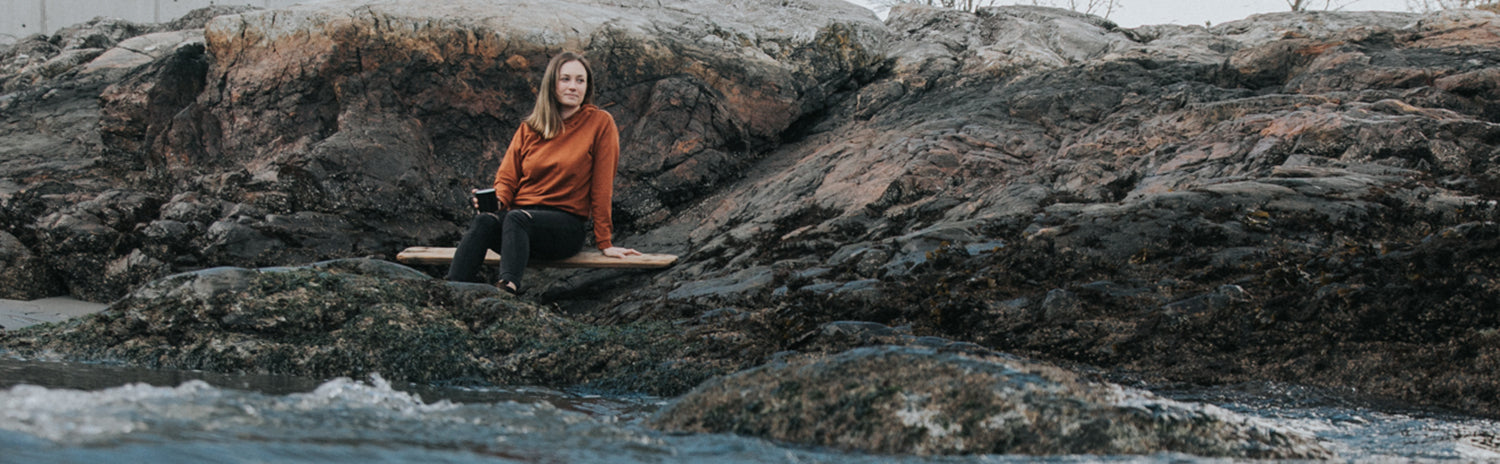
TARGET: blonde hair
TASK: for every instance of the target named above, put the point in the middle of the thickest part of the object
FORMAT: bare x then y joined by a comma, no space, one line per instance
546,117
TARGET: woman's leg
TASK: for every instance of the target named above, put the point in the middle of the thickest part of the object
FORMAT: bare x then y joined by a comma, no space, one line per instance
537,233
484,234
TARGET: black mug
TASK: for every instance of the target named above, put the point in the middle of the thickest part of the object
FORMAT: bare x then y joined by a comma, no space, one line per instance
487,201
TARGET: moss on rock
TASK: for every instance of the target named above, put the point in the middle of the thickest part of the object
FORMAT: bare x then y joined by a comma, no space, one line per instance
356,317
894,399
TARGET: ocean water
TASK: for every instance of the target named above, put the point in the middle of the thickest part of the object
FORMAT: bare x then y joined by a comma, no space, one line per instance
79,413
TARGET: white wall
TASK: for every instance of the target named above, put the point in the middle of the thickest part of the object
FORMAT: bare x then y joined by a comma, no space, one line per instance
22,18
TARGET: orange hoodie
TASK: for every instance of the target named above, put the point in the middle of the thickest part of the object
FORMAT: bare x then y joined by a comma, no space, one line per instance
574,172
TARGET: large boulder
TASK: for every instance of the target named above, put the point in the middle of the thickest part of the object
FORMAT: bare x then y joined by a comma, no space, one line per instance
926,401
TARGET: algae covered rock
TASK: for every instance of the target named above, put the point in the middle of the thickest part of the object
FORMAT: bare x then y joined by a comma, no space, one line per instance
352,318
917,400
19,271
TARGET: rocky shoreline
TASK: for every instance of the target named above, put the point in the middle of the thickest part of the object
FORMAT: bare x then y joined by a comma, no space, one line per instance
1304,198
921,395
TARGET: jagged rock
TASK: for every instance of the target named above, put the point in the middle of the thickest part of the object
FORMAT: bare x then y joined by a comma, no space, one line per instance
942,46
695,86
169,69
1173,160
90,245
377,152
359,316
927,401
393,148
23,274
40,58
199,18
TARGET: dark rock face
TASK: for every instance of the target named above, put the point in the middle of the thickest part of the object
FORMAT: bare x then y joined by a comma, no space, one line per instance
71,193
357,317
23,272
398,115
313,133
1206,205
926,401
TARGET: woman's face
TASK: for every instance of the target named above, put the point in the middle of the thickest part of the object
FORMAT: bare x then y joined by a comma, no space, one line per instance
572,84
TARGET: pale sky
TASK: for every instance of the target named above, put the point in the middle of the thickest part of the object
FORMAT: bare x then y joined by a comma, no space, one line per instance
1133,13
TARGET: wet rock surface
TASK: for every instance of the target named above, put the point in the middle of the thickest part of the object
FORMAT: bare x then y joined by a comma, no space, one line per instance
360,317
935,401
916,394
1305,198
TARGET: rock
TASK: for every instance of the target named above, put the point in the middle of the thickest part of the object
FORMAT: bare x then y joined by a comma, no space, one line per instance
79,246
135,267
97,33
237,241
136,112
1175,162
680,109
40,58
735,287
357,317
24,275
840,336
199,18
66,61
141,50
90,246
1061,305
925,401
378,151
941,43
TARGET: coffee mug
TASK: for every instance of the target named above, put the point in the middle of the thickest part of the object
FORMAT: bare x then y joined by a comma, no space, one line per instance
487,201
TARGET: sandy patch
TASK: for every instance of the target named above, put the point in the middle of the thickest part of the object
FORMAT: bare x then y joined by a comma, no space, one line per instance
16,314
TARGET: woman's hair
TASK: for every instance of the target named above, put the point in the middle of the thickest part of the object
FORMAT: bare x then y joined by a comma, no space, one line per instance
546,117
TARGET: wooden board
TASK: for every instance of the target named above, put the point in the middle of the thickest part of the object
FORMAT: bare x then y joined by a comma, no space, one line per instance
584,259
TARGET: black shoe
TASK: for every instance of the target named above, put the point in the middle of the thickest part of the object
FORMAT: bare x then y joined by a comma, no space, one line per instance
507,286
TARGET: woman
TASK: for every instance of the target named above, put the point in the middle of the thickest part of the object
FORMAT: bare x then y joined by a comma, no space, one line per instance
558,173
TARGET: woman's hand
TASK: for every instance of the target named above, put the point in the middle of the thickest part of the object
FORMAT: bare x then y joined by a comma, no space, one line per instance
474,200
617,252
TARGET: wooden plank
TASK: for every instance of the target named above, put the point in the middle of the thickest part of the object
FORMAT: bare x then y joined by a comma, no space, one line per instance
584,259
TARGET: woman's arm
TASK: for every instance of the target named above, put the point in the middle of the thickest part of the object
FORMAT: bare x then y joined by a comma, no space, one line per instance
508,176
606,155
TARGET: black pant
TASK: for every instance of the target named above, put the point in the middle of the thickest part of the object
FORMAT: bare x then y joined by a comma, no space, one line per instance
518,235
